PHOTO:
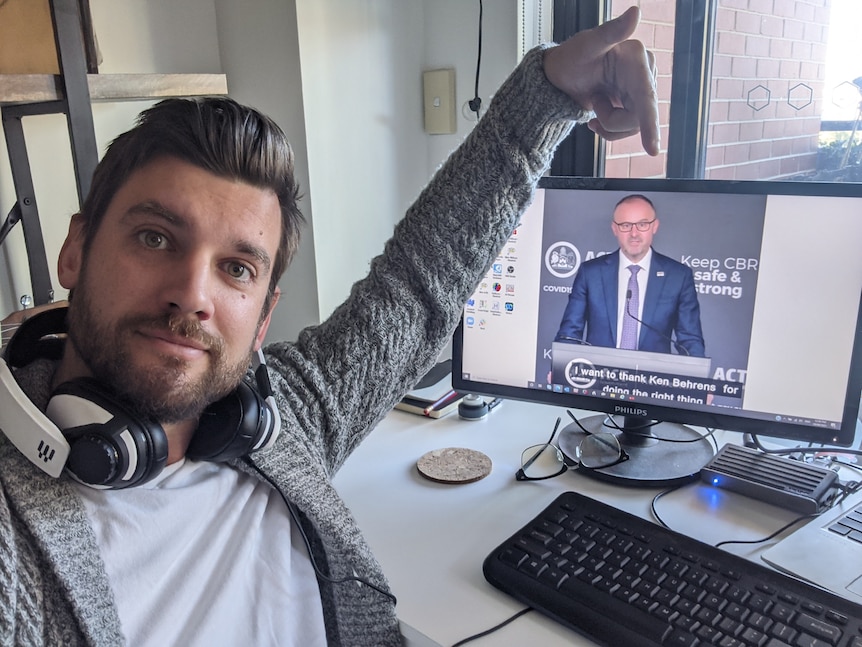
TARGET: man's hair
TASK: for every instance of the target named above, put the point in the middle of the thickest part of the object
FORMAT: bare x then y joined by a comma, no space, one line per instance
216,134
635,196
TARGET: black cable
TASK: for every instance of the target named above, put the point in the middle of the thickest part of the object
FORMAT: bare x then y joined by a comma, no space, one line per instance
804,450
476,103
493,629
852,466
294,514
729,541
656,498
768,537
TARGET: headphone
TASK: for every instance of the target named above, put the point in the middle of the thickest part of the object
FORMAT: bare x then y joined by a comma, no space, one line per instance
86,430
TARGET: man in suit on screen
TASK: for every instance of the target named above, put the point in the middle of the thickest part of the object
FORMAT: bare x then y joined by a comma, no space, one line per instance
634,298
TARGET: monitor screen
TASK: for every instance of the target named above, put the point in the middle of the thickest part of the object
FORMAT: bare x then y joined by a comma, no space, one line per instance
746,315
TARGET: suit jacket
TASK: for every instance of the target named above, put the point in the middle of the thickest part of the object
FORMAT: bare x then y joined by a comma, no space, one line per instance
670,306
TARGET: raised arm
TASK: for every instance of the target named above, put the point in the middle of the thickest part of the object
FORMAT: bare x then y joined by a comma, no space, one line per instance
339,378
604,71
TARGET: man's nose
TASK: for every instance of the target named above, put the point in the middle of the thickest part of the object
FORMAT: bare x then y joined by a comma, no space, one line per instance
190,287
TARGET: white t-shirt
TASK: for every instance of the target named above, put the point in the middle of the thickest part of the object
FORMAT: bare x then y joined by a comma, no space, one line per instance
206,555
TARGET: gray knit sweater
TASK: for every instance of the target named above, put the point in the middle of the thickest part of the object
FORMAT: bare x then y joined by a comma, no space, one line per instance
333,385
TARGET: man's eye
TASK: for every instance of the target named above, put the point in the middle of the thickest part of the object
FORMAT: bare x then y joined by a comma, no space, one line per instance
152,239
238,271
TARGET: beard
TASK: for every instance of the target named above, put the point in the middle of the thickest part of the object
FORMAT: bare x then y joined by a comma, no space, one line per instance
163,393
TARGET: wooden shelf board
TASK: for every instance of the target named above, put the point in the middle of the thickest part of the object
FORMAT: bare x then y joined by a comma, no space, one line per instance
36,88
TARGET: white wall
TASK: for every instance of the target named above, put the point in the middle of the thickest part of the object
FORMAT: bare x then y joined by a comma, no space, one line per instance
451,34
260,54
366,151
342,77
362,64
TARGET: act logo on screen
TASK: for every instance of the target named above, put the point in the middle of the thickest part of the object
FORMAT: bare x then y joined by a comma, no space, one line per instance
562,259
497,287
580,373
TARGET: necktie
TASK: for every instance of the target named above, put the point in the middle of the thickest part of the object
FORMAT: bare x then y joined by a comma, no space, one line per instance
629,335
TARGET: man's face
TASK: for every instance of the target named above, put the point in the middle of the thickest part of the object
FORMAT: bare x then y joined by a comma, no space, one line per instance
634,243
168,300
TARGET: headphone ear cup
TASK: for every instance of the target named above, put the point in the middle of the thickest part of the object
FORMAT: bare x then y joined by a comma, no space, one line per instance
109,448
37,337
231,427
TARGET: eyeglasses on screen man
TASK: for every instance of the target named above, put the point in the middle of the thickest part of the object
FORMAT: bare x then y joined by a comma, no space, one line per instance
626,227
595,451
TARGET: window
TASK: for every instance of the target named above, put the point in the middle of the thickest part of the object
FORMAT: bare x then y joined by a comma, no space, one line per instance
748,90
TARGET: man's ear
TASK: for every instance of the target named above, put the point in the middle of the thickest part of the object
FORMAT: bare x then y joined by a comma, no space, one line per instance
71,256
264,325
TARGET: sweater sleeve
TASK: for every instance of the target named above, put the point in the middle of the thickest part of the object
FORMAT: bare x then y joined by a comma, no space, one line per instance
341,377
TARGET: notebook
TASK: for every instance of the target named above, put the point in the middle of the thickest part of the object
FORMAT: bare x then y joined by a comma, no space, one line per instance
827,551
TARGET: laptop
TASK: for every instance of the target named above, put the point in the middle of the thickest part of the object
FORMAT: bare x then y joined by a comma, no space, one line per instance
827,551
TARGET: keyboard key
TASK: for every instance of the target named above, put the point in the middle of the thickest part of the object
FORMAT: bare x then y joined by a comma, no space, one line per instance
818,628
679,638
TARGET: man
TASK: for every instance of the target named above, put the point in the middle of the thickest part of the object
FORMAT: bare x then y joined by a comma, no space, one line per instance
173,266
634,298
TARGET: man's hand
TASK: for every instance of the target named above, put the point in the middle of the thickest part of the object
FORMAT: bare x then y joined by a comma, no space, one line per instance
614,77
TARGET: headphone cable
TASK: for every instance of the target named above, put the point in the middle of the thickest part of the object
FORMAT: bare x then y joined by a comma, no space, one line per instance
294,514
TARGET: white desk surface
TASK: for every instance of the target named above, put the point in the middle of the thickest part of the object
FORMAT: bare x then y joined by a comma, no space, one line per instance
432,538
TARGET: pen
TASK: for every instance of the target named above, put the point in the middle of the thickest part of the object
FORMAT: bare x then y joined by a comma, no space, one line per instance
446,399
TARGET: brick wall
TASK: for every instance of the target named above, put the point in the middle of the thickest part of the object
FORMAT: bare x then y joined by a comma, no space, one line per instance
766,93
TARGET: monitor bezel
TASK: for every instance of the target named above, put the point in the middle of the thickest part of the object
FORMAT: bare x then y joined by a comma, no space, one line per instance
714,419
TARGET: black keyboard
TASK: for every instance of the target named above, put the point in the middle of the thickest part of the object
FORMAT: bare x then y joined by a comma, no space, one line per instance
623,581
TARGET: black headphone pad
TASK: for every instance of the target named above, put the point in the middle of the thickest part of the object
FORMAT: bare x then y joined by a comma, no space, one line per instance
230,427
121,451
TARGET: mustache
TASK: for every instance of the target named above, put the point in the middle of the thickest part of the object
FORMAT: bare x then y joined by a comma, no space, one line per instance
178,325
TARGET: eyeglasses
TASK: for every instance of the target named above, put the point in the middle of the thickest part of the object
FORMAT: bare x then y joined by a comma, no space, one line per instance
626,227
595,451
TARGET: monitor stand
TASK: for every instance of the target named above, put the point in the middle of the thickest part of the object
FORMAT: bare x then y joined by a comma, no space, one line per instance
653,462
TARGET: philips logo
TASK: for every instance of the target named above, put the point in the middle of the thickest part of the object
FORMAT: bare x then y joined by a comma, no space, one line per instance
631,411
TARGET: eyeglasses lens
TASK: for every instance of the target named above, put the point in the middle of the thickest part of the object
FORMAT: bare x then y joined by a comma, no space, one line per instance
542,461
599,450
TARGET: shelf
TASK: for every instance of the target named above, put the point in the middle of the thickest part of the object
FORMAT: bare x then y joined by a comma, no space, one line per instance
37,88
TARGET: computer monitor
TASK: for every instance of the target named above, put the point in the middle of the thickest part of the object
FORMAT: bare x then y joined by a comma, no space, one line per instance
776,271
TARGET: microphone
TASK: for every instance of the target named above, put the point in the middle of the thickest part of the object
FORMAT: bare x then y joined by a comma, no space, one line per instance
679,347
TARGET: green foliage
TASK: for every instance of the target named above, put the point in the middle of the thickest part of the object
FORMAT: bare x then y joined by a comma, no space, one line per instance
831,164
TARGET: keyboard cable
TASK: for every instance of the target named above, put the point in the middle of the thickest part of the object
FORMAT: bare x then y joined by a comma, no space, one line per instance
494,628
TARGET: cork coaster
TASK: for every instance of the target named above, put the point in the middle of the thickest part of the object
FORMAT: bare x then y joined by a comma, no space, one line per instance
454,465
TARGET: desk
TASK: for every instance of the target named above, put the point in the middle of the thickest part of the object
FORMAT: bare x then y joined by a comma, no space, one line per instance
431,538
